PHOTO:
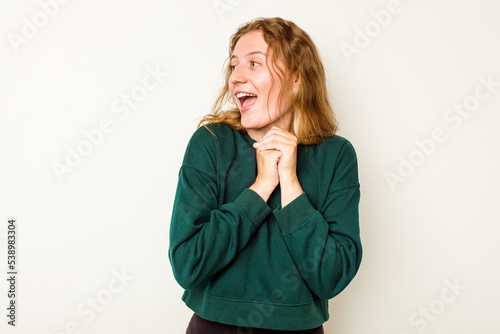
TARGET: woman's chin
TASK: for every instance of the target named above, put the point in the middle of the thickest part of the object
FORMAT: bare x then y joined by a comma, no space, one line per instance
247,124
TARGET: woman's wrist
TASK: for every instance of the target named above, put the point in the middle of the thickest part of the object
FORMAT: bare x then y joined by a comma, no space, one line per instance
262,189
290,188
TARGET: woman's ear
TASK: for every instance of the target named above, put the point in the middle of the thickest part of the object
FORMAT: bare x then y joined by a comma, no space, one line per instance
296,82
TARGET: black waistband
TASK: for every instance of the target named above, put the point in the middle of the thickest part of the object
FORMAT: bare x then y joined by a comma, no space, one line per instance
198,325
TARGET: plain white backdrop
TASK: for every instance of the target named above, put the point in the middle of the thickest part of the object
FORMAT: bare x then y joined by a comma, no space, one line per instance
99,98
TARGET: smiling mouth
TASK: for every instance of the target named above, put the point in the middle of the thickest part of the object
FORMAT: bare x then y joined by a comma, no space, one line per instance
246,100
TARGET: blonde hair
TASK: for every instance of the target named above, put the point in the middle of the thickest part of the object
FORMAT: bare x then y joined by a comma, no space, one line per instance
313,118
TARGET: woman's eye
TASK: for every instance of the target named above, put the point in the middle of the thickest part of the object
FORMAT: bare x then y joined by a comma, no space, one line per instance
254,63
232,67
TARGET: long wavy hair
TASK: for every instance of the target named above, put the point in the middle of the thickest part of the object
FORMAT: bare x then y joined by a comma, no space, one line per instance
313,118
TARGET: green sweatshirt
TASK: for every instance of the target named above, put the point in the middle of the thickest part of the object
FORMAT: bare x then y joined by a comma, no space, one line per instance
249,263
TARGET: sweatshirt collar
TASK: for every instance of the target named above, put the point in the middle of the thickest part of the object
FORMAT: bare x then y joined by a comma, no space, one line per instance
248,139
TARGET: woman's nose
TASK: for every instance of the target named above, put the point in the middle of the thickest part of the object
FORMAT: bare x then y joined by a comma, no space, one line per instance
238,75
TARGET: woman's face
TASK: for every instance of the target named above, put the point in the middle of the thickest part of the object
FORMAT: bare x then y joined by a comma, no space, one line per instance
255,87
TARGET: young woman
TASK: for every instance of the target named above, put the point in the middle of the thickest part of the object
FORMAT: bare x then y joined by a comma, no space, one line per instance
265,226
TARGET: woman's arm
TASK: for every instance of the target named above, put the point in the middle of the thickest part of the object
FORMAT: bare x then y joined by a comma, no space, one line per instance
324,242
204,237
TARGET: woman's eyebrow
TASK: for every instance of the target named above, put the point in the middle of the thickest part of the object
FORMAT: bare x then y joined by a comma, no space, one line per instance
250,54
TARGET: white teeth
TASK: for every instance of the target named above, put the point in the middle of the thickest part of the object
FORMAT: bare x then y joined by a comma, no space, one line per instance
240,95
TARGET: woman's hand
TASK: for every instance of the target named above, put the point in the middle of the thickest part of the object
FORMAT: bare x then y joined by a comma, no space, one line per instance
283,145
284,142
267,173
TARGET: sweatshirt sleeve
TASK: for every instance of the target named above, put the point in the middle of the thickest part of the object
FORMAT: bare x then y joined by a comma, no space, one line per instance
204,237
325,242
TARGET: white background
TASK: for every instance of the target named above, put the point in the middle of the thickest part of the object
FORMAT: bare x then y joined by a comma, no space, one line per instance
436,226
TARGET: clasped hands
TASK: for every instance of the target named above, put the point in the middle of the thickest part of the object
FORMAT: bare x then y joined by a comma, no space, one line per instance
276,155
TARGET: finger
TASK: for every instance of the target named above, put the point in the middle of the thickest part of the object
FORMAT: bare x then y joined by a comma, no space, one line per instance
269,156
277,132
276,147
276,142
272,134
280,131
270,152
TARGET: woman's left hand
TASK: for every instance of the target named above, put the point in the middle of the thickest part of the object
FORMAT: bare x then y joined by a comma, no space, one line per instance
285,142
